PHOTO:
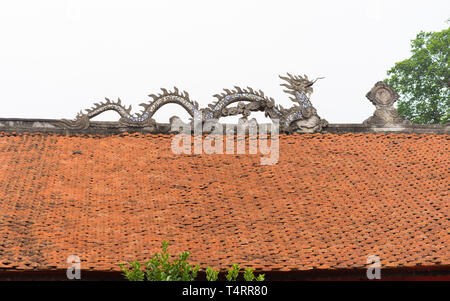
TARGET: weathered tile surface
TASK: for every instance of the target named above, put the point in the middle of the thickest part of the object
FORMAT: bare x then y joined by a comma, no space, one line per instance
331,201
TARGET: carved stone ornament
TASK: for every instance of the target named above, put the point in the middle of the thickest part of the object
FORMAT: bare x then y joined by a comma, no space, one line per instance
384,97
300,118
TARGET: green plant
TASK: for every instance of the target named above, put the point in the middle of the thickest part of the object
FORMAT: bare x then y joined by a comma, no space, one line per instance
134,272
211,274
249,276
160,268
233,272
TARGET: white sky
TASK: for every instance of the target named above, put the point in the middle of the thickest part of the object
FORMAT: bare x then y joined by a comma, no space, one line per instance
57,57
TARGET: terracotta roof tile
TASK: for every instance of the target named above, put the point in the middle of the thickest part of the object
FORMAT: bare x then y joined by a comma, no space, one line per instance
330,202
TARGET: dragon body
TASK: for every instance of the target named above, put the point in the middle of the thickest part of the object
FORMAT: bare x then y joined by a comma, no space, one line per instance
302,117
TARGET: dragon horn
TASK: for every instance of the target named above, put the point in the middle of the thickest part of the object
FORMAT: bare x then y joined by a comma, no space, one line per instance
312,83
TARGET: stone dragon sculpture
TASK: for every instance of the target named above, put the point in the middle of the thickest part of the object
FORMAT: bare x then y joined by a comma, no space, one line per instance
302,117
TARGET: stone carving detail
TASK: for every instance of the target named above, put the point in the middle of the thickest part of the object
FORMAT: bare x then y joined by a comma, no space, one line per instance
81,122
384,97
302,117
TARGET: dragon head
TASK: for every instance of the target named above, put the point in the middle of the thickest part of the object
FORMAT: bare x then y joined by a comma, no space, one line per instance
301,118
298,86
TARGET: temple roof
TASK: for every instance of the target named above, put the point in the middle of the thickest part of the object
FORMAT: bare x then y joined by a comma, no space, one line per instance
331,201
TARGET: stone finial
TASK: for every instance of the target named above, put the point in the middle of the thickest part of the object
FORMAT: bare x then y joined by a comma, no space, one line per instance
381,95
384,97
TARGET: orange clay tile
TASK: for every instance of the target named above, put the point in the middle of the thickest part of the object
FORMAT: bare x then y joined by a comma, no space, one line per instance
330,202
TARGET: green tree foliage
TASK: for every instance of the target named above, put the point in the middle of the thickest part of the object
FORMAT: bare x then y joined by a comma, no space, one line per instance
423,80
